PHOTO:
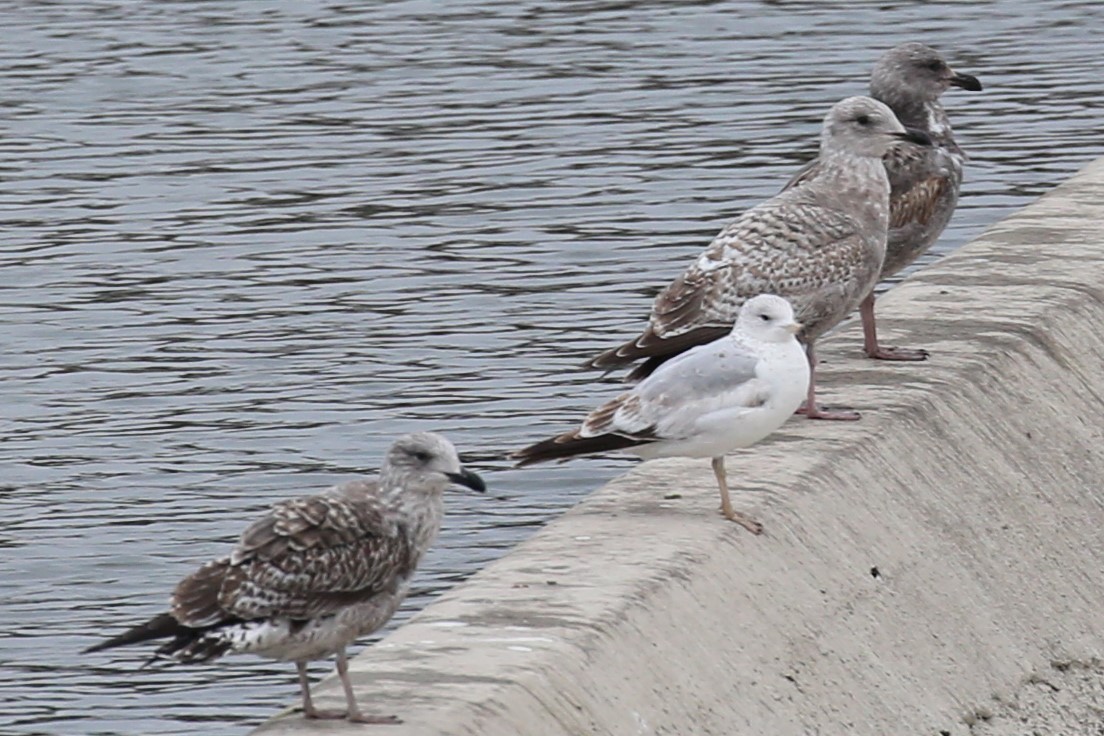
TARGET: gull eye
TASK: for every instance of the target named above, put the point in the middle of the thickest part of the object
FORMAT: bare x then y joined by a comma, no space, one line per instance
863,120
764,317
421,456
935,65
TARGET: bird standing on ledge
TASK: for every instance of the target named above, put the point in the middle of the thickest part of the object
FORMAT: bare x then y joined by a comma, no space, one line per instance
820,245
706,402
924,180
315,573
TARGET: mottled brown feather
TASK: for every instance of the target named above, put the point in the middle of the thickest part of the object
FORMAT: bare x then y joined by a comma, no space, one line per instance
310,556
799,249
195,600
918,203
306,557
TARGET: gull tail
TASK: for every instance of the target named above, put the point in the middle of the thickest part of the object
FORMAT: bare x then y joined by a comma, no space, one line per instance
570,444
161,626
653,350
187,644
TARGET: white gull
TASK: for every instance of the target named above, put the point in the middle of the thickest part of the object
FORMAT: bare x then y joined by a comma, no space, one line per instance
706,402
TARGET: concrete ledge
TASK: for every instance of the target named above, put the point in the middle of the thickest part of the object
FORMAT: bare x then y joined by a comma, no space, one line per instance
938,555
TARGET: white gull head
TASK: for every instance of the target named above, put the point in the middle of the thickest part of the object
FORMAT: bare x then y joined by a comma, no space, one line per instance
767,318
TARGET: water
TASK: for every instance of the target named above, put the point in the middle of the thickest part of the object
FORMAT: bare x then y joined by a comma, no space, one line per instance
246,244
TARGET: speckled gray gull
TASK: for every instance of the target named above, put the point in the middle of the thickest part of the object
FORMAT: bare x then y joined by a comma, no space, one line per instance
315,573
706,402
924,180
820,245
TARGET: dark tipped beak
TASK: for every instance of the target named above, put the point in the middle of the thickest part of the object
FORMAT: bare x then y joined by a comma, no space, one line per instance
467,478
913,135
966,82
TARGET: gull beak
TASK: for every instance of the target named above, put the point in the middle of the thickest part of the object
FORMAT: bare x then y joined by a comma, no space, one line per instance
793,328
912,135
965,81
467,478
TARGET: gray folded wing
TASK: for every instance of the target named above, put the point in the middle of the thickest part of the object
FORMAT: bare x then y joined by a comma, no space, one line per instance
668,404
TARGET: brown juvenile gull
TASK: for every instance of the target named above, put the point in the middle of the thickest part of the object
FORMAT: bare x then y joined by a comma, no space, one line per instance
705,402
820,245
924,180
315,573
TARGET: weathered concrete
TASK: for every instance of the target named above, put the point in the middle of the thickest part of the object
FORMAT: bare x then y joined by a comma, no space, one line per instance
918,567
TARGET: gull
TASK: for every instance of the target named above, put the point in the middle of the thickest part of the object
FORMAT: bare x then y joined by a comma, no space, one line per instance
705,402
315,573
820,245
924,180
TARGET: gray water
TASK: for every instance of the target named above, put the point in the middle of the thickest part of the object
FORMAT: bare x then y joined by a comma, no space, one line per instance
246,244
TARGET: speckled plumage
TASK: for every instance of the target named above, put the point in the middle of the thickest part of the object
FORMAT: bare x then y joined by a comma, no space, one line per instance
924,180
705,402
339,559
314,573
820,245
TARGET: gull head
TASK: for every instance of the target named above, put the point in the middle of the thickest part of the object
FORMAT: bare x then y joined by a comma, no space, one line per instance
913,71
768,318
866,128
427,462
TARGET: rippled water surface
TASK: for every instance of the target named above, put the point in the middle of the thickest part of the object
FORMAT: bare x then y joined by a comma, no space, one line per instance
245,244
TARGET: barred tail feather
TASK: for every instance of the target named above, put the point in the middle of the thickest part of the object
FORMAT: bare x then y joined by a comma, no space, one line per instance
195,645
187,644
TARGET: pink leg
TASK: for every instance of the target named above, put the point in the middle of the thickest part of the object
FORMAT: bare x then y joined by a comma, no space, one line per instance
810,409
309,711
730,513
870,337
354,713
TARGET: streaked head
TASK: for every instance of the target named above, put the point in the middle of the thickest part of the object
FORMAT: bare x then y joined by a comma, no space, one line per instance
432,457
914,71
768,318
864,127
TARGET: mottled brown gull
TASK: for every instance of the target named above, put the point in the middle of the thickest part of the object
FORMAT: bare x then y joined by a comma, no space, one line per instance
924,180
820,245
315,573
706,402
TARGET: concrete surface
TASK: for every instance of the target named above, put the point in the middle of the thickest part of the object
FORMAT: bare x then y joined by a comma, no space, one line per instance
1065,698
922,571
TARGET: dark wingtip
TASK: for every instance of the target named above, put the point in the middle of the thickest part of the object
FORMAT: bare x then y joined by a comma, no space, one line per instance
606,361
522,461
539,452
158,627
532,454
566,446
967,82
